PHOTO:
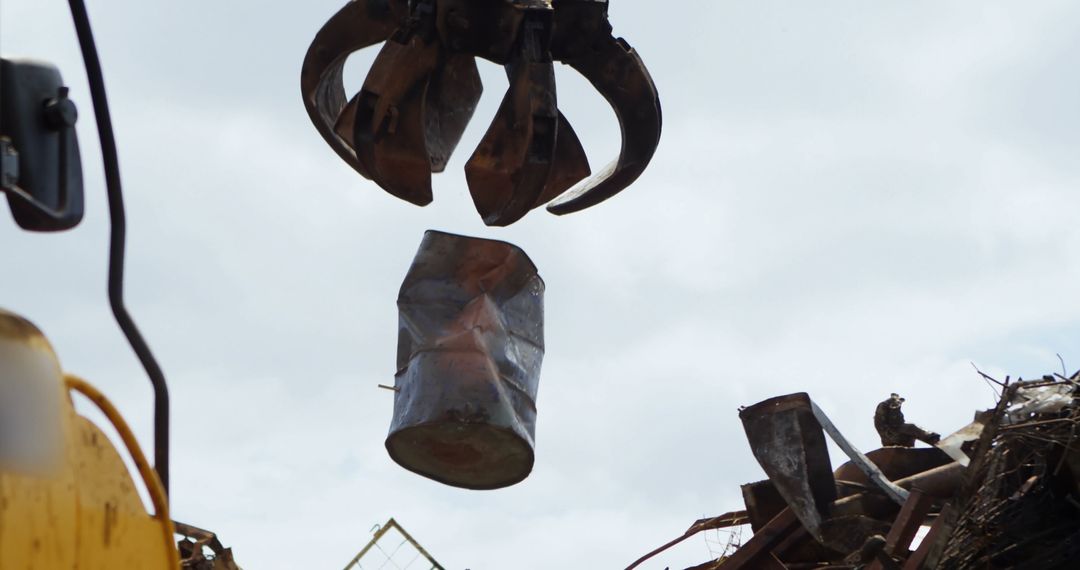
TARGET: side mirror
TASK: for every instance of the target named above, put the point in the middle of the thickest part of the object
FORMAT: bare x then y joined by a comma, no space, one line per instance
40,168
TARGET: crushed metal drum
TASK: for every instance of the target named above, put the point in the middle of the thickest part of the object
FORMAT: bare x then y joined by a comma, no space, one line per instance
470,346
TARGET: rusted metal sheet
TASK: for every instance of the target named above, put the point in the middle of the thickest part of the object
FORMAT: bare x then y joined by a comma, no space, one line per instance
956,443
763,502
470,347
789,444
423,87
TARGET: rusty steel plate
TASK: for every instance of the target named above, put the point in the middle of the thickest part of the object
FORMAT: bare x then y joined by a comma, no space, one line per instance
470,347
789,443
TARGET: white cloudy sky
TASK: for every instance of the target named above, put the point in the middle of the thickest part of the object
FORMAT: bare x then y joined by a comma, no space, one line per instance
850,198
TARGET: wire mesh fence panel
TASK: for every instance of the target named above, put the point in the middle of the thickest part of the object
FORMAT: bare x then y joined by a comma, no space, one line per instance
722,542
391,548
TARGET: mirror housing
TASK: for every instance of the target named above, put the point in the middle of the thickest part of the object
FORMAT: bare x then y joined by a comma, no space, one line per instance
40,167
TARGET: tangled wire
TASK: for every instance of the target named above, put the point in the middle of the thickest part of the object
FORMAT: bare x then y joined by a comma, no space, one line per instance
1022,504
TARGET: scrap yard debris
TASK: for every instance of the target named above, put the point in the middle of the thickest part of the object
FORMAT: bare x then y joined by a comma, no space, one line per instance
193,549
1002,492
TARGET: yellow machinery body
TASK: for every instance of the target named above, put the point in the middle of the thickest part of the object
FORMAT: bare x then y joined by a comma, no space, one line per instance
67,500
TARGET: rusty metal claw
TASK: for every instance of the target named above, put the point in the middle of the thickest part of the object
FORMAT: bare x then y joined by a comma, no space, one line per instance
570,166
617,72
452,96
389,134
423,88
510,168
356,26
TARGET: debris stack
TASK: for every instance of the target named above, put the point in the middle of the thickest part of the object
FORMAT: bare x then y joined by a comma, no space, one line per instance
1020,508
1002,492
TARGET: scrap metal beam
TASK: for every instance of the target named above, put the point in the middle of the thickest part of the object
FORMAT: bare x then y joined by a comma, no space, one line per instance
734,518
918,559
758,551
907,523
893,491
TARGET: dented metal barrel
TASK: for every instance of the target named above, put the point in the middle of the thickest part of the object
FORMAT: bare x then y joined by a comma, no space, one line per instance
470,346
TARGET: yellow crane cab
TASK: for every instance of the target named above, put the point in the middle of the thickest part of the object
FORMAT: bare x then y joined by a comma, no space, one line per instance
67,500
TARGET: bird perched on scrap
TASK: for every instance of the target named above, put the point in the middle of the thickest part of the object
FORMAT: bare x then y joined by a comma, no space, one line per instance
890,424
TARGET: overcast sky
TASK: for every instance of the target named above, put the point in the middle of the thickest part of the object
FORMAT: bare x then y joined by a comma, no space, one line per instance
849,199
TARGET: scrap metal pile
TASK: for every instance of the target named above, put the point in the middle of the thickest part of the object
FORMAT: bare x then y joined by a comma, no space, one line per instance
1003,492
193,549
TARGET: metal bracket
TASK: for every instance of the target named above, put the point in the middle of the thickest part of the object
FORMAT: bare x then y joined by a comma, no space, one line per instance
9,164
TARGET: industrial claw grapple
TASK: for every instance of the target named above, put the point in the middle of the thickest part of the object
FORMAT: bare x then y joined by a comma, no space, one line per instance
423,87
